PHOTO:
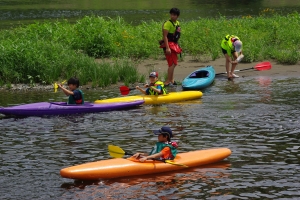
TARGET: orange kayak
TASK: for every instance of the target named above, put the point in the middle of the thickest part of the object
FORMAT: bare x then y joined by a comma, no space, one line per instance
120,167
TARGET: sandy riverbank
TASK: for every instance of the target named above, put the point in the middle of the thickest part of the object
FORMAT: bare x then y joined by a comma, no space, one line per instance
184,68
188,65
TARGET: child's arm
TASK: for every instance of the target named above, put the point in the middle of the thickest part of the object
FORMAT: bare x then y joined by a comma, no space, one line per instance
66,91
140,89
228,58
155,89
136,155
165,36
157,155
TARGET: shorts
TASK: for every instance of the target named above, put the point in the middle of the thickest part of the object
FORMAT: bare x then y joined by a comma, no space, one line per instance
172,58
225,51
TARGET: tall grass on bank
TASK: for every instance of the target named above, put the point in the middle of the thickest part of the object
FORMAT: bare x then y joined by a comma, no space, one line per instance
51,50
264,37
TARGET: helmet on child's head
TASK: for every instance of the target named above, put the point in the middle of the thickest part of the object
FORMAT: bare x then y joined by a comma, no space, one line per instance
162,130
153,74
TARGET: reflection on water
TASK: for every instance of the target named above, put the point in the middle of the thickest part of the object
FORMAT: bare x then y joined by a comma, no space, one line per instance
16,11
257,118
164,185
264,89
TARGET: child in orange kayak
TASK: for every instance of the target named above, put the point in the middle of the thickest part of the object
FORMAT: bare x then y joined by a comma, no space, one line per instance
75,95
164,149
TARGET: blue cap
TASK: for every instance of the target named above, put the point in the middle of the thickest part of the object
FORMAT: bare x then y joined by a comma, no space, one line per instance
164,129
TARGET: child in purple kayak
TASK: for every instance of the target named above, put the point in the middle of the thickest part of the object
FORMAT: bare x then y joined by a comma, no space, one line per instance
75,95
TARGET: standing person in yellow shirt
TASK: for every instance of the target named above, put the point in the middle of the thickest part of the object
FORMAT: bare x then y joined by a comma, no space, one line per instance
231,47
171,35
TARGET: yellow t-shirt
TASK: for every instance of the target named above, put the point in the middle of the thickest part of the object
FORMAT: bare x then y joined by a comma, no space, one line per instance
170,27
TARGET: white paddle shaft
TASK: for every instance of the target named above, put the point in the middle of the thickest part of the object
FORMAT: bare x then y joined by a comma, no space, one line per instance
240,58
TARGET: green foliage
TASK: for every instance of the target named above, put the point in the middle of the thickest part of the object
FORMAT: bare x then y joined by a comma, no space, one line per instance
8,86
44,52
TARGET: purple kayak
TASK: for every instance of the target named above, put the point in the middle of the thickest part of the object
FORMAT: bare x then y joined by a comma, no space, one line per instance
62,108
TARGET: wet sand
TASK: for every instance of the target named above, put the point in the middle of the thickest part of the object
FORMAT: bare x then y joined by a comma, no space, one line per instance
188,65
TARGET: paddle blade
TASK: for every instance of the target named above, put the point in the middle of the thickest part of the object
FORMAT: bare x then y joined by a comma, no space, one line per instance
56,86
263,66
115,151
125,90
172,163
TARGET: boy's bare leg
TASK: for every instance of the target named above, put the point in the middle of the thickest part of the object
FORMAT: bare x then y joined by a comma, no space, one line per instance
227,69
233,66
171,74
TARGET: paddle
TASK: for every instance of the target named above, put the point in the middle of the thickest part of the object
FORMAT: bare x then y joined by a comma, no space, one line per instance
125,90
259,67
56,86
117,152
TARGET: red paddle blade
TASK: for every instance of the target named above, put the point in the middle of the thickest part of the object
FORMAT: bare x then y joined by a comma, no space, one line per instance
124,90
263,66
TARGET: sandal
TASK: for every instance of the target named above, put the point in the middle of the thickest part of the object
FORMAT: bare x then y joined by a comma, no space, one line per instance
235,76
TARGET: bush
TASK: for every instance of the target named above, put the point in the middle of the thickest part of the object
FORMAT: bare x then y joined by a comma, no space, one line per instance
44,52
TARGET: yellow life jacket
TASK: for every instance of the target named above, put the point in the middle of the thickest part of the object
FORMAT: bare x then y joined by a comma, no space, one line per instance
227,43
158,83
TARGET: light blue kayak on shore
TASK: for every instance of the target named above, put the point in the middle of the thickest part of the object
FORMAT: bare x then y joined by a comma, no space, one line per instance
199,79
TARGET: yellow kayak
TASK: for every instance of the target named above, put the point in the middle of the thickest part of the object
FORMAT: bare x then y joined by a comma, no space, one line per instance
160,99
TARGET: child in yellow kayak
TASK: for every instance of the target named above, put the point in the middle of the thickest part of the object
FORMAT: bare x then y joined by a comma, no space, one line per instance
164,149
155,87
75,95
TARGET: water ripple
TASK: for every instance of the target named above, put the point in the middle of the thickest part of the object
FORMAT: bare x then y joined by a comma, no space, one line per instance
263,136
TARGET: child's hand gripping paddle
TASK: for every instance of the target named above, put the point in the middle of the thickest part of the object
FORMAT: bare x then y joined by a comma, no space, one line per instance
117,152
56,86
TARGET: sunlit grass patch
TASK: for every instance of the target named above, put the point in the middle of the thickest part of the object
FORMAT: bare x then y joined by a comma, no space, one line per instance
51,51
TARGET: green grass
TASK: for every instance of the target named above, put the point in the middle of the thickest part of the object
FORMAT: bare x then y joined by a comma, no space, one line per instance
49,51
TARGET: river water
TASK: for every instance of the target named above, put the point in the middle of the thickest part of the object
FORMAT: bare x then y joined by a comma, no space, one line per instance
16,12
256,117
